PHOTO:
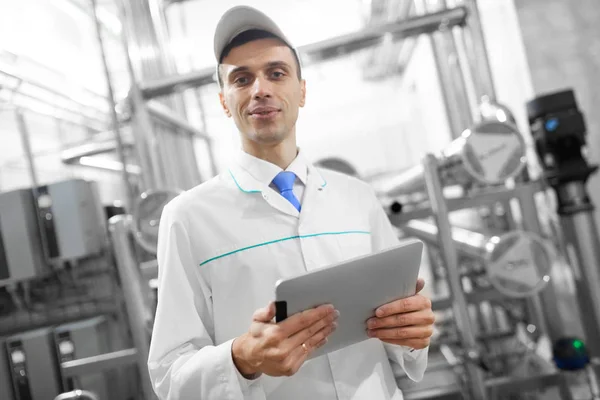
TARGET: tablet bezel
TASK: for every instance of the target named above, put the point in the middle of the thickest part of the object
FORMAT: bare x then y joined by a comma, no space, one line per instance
328,285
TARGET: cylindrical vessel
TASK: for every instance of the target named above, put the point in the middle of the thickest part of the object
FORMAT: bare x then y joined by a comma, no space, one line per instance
518,263
490,153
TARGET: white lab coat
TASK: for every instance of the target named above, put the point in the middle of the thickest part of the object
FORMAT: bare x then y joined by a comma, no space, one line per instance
222,247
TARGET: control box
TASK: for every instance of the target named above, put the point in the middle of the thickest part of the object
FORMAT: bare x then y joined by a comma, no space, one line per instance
21,251
80,340
72,219
33,366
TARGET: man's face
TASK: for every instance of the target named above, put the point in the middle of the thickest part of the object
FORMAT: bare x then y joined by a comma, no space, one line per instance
261,91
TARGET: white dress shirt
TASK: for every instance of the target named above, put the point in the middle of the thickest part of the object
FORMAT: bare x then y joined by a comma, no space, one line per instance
264,171
224,244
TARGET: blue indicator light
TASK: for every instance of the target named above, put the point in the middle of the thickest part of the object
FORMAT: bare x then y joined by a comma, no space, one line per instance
552,124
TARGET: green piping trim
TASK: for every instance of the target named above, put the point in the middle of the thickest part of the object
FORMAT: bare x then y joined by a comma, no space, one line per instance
283,240
238,185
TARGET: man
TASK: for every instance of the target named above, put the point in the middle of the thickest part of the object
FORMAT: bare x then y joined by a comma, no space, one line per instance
224,244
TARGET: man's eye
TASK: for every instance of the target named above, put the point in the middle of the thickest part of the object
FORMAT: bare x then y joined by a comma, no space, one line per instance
278,74
242,80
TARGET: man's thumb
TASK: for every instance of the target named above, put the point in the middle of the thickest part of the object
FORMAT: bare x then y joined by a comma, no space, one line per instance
265,314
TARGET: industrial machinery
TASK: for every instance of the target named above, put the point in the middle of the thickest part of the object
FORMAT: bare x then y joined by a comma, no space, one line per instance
559,131
37,361
21,250
516,263
83,339
489,153
59,295
139,299
60,277
33,365
48,225
71,219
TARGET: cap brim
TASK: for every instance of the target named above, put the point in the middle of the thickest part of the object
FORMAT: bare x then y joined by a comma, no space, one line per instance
240,19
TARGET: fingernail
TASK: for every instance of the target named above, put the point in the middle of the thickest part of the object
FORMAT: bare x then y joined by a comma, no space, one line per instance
370,333
337,314
379,313
329,307
334,326
371,323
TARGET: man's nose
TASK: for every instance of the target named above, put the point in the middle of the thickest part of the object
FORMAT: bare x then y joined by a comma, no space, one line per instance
261,88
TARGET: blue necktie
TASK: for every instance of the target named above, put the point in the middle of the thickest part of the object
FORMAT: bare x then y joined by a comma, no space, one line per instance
285,183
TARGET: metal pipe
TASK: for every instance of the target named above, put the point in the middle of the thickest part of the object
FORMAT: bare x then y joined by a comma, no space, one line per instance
52,91
25,141
542,308
107,165
518,263
466,74
64,116
141,122
77,394
164,86
136,296
583,251
143,132
459,302
469,243
480,60
95,364
490,153
329,48
143,49
73,153
472,298
55,107
113,110
161,32
167,116
453,85
35,320
16,58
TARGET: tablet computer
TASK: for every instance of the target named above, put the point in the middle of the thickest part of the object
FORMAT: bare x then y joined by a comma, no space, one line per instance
356,288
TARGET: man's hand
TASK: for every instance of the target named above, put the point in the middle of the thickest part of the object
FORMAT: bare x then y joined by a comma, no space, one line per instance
281,349
407,322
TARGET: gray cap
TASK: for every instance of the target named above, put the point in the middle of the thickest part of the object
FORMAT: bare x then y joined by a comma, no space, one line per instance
240,19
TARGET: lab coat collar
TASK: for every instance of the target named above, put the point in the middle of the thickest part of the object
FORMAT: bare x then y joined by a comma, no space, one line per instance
252,174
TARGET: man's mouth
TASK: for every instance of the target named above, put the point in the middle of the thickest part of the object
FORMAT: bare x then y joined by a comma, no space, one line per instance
263,113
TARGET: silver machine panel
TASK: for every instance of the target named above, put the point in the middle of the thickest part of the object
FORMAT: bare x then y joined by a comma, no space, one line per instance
21,251
86,339
5,376
59,222
33,365
72,219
